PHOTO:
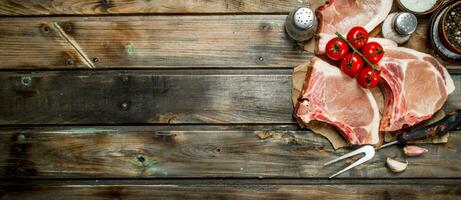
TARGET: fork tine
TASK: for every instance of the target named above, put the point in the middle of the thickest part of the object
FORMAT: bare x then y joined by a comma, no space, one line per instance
347,155
369,152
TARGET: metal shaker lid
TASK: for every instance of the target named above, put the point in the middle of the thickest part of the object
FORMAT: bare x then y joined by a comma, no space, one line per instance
405,23
303,18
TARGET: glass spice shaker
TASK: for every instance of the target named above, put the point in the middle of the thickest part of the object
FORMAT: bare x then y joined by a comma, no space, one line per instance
399,26
301,24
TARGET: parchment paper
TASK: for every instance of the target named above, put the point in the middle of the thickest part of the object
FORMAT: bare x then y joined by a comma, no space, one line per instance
329,132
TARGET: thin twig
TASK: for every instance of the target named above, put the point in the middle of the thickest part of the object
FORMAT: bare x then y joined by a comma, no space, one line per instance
74,45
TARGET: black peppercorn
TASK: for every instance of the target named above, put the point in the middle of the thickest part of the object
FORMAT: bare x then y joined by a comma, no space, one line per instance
453,26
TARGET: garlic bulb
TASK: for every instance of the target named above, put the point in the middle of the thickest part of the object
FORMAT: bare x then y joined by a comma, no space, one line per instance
396,166
414,150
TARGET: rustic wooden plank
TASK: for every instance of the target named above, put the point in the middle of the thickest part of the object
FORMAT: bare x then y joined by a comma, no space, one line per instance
157,97
98,7
24,45
197,152
166,97
424,189
250,41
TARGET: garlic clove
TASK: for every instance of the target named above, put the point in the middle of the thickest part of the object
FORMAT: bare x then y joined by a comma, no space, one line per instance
396,166
414,150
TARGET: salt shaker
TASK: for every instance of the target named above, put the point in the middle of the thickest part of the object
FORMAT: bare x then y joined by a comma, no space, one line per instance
399,26
301,24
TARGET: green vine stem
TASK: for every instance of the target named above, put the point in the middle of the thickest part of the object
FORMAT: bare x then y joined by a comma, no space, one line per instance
358,52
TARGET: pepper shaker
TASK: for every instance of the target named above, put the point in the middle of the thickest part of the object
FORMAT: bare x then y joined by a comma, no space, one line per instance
301,24
399,26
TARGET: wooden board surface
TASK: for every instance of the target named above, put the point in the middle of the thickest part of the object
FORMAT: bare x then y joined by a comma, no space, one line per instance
162,96
173,99
425,189
199,151
252,41
243,41
104,7
156,97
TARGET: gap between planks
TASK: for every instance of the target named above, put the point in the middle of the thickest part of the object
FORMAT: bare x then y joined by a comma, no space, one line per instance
233,181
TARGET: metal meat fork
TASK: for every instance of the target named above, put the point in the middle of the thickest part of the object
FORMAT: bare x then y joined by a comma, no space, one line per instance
368,150
450,121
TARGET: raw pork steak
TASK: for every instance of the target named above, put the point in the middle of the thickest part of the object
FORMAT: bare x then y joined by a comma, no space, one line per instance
415,86
341,15
333,97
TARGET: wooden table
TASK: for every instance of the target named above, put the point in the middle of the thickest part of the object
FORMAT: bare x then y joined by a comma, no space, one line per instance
118,99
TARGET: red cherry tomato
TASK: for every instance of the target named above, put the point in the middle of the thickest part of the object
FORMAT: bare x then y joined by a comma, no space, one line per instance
352,64
373,51
337,49
368,78
358,37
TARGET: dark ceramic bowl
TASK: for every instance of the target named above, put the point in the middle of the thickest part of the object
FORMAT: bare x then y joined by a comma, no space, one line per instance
442,32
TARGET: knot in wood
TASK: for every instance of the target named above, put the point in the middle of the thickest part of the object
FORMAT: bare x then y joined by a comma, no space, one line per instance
106,4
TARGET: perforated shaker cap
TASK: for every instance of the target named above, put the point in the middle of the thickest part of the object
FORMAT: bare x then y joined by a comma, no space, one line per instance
303,18
405,23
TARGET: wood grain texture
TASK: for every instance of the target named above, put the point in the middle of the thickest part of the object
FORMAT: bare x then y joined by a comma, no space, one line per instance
250,41
159,96
198,152
152,96
104,7
424,190
38,44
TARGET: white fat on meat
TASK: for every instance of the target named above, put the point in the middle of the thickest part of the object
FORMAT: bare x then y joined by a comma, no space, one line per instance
333,97
341,15
415,86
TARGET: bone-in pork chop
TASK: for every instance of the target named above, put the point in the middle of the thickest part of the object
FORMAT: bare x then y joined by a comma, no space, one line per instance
333,97
342,15
415,86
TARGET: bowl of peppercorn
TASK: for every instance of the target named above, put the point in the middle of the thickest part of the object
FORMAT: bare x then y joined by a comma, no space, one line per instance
451,28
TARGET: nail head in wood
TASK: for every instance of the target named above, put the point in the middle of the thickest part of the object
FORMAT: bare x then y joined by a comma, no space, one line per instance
45,29
69,62
265,27
26,80
21,137
141,158
67,27
124,106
